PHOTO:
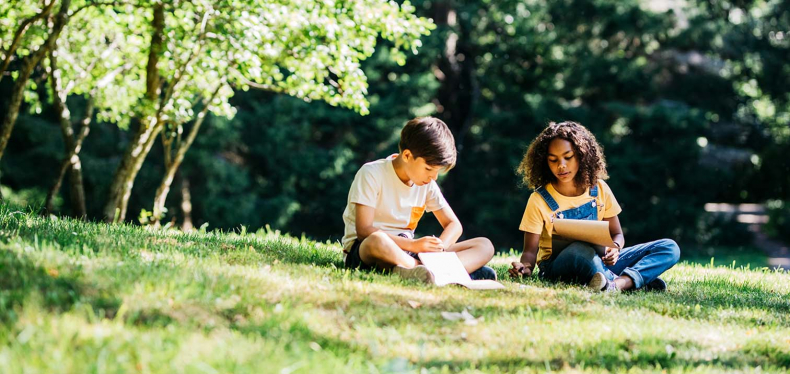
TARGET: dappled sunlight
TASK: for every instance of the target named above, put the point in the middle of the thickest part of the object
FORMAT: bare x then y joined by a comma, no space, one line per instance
277,295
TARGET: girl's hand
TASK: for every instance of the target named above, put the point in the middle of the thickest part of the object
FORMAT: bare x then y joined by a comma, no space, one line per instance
519,270
612,254
427,244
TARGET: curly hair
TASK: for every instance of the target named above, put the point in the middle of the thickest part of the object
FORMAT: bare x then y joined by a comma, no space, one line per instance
534,167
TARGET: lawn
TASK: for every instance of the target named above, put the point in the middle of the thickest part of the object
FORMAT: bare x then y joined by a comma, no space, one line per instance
92,298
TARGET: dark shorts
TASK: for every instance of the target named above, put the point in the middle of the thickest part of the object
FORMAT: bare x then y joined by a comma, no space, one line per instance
353,261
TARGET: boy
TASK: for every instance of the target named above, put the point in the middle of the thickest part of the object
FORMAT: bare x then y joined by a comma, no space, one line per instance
389,196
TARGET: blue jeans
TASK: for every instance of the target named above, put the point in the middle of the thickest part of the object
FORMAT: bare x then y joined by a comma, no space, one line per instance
643,263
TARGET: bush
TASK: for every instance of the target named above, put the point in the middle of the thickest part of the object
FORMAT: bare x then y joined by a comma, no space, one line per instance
778,225
722,230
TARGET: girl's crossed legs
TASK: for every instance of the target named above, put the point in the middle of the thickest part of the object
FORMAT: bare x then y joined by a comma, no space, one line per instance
642,263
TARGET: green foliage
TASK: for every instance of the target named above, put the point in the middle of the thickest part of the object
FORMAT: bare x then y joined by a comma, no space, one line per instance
778,224
719,230
212,44
668,122
25,197
690,104
12,14
100,58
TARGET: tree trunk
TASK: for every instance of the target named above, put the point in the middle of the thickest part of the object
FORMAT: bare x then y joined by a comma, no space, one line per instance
132,161
53,191
458,93
167,181
72,144
28,64
123,180
72,163
77,189
77,185
186,204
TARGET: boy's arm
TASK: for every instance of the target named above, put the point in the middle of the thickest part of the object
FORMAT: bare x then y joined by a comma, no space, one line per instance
451,224
529,256
364,226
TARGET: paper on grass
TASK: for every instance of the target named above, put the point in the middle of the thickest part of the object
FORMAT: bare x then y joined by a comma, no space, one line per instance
567,231
447,268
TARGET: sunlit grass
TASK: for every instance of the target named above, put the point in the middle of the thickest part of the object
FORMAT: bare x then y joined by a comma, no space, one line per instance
86,297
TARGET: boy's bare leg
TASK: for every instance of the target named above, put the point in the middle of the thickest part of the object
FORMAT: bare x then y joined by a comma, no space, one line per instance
474,253
380,250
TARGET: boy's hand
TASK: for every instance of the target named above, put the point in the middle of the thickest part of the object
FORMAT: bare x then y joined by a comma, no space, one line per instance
612,254
519,270
427,244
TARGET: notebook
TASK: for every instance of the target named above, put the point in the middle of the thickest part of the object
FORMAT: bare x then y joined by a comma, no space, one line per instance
567,231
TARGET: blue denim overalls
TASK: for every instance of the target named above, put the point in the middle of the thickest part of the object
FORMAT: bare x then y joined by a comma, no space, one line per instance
578,262
588,211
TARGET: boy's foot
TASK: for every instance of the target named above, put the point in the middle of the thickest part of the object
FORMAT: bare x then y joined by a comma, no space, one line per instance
599,282
419,272
657,285
484,272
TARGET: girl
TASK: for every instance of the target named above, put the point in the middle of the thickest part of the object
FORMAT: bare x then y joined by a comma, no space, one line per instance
566,167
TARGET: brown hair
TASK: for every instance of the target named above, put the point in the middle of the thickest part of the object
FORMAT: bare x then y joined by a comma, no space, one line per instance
431,139
534,166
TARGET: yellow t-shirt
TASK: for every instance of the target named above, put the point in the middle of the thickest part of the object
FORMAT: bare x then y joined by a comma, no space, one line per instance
537,215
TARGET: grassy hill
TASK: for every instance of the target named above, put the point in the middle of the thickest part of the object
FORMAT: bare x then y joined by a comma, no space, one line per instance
91,298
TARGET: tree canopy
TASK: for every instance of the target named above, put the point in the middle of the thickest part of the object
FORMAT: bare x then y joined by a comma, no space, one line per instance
689,101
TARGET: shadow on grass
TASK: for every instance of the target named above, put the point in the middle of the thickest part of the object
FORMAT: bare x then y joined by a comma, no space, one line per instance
21,279
703,299
619,356
612,355
90,238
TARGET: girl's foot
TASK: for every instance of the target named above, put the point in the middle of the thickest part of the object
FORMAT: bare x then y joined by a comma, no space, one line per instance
657,285
599,282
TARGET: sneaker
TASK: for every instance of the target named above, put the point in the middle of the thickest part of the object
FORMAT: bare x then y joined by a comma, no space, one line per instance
598,282
657,285
484,272
419,272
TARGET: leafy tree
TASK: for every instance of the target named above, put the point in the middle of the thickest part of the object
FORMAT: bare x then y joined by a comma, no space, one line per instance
91,60
689,103
35,50
308,49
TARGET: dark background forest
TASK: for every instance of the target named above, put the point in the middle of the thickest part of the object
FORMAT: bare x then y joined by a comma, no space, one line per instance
689,100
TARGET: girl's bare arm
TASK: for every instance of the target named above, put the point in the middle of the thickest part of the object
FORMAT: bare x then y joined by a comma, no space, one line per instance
529,256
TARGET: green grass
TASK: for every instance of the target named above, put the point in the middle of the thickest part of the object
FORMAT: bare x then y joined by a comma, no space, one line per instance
741,256
91,298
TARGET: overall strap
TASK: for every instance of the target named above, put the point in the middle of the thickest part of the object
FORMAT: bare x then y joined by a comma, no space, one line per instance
547,197
594,191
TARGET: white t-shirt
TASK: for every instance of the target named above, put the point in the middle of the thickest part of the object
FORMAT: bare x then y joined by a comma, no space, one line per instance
398,206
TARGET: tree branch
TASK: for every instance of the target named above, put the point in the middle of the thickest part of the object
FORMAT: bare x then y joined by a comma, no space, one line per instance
103,3
192,54
152,73
59,96
20,32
